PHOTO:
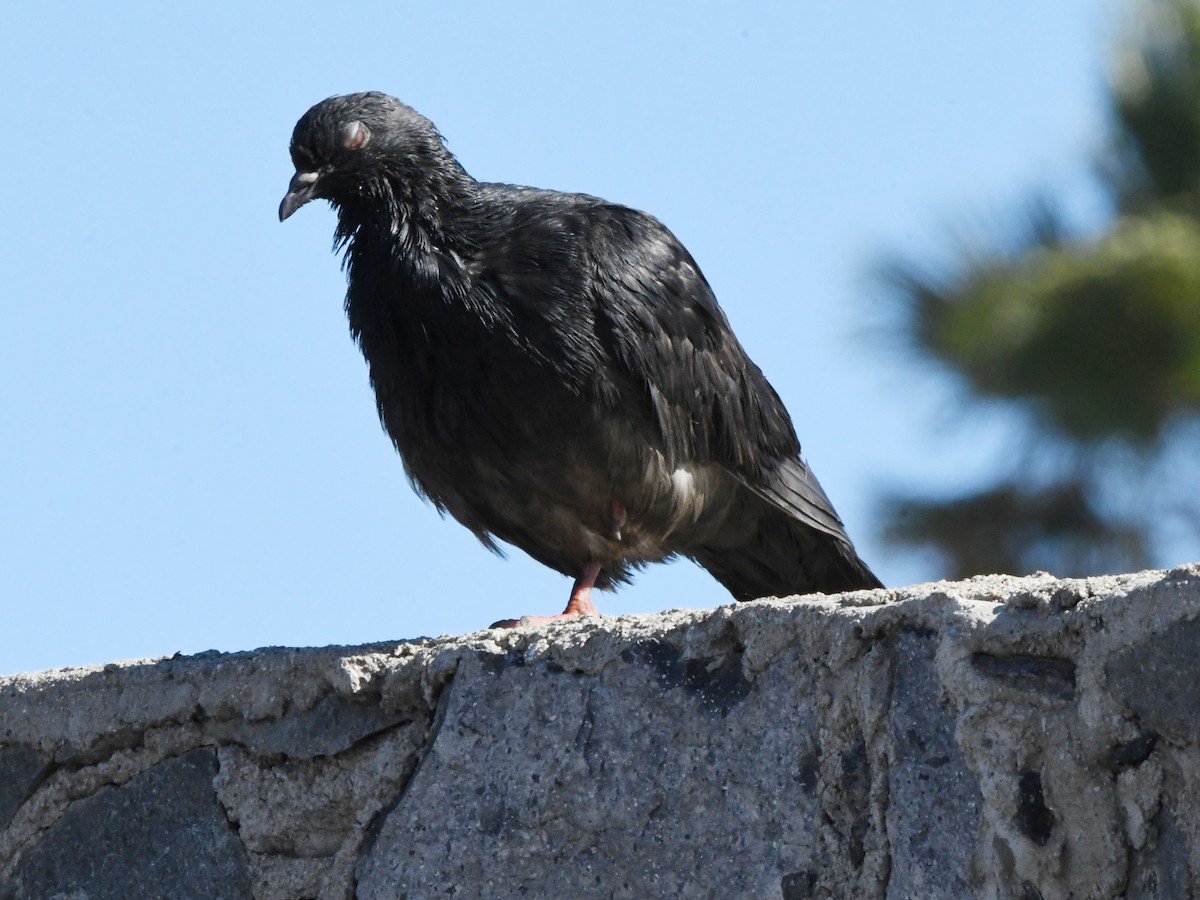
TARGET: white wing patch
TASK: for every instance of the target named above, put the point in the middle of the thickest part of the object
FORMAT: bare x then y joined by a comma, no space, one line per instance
683,484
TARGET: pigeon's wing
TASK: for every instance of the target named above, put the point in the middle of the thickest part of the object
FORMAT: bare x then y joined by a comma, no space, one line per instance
660,322
791,486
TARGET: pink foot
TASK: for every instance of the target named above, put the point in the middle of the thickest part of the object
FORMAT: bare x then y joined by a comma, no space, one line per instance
580,603
618,519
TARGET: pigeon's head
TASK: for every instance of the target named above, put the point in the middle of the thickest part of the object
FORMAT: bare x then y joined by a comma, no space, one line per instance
346,146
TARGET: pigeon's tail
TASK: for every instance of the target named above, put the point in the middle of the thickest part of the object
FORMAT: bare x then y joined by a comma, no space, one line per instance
784,556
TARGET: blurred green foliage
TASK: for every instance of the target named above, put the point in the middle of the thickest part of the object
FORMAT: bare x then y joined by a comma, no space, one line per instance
1096,341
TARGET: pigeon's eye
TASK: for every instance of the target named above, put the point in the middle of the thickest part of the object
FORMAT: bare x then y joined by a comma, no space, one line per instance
354,135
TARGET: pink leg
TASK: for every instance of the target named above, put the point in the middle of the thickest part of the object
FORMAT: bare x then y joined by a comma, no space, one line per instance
580,603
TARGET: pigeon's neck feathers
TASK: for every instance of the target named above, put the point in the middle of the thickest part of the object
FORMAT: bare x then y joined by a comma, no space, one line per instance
409,241
416,203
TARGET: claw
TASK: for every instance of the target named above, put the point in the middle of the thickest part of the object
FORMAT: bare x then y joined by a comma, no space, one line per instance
580,603
618,519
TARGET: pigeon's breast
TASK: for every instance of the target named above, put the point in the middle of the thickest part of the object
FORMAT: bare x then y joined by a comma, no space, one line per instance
547,472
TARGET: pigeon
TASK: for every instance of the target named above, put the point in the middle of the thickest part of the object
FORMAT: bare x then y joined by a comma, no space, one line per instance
555,372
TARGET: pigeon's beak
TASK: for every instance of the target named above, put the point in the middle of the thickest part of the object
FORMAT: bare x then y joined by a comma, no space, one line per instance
300,191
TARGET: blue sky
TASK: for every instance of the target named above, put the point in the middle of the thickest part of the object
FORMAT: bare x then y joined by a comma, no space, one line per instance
191,457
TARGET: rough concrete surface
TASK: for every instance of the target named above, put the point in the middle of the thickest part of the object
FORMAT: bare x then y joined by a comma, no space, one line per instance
999,738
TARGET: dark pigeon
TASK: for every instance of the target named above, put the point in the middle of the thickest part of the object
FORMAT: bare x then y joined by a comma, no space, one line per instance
555,371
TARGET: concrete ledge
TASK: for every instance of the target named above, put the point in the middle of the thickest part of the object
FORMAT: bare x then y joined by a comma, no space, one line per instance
999,737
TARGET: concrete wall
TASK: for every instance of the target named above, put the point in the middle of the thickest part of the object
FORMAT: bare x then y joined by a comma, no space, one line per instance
1000,737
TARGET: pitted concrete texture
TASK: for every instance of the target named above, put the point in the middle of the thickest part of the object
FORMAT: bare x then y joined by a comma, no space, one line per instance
999,737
